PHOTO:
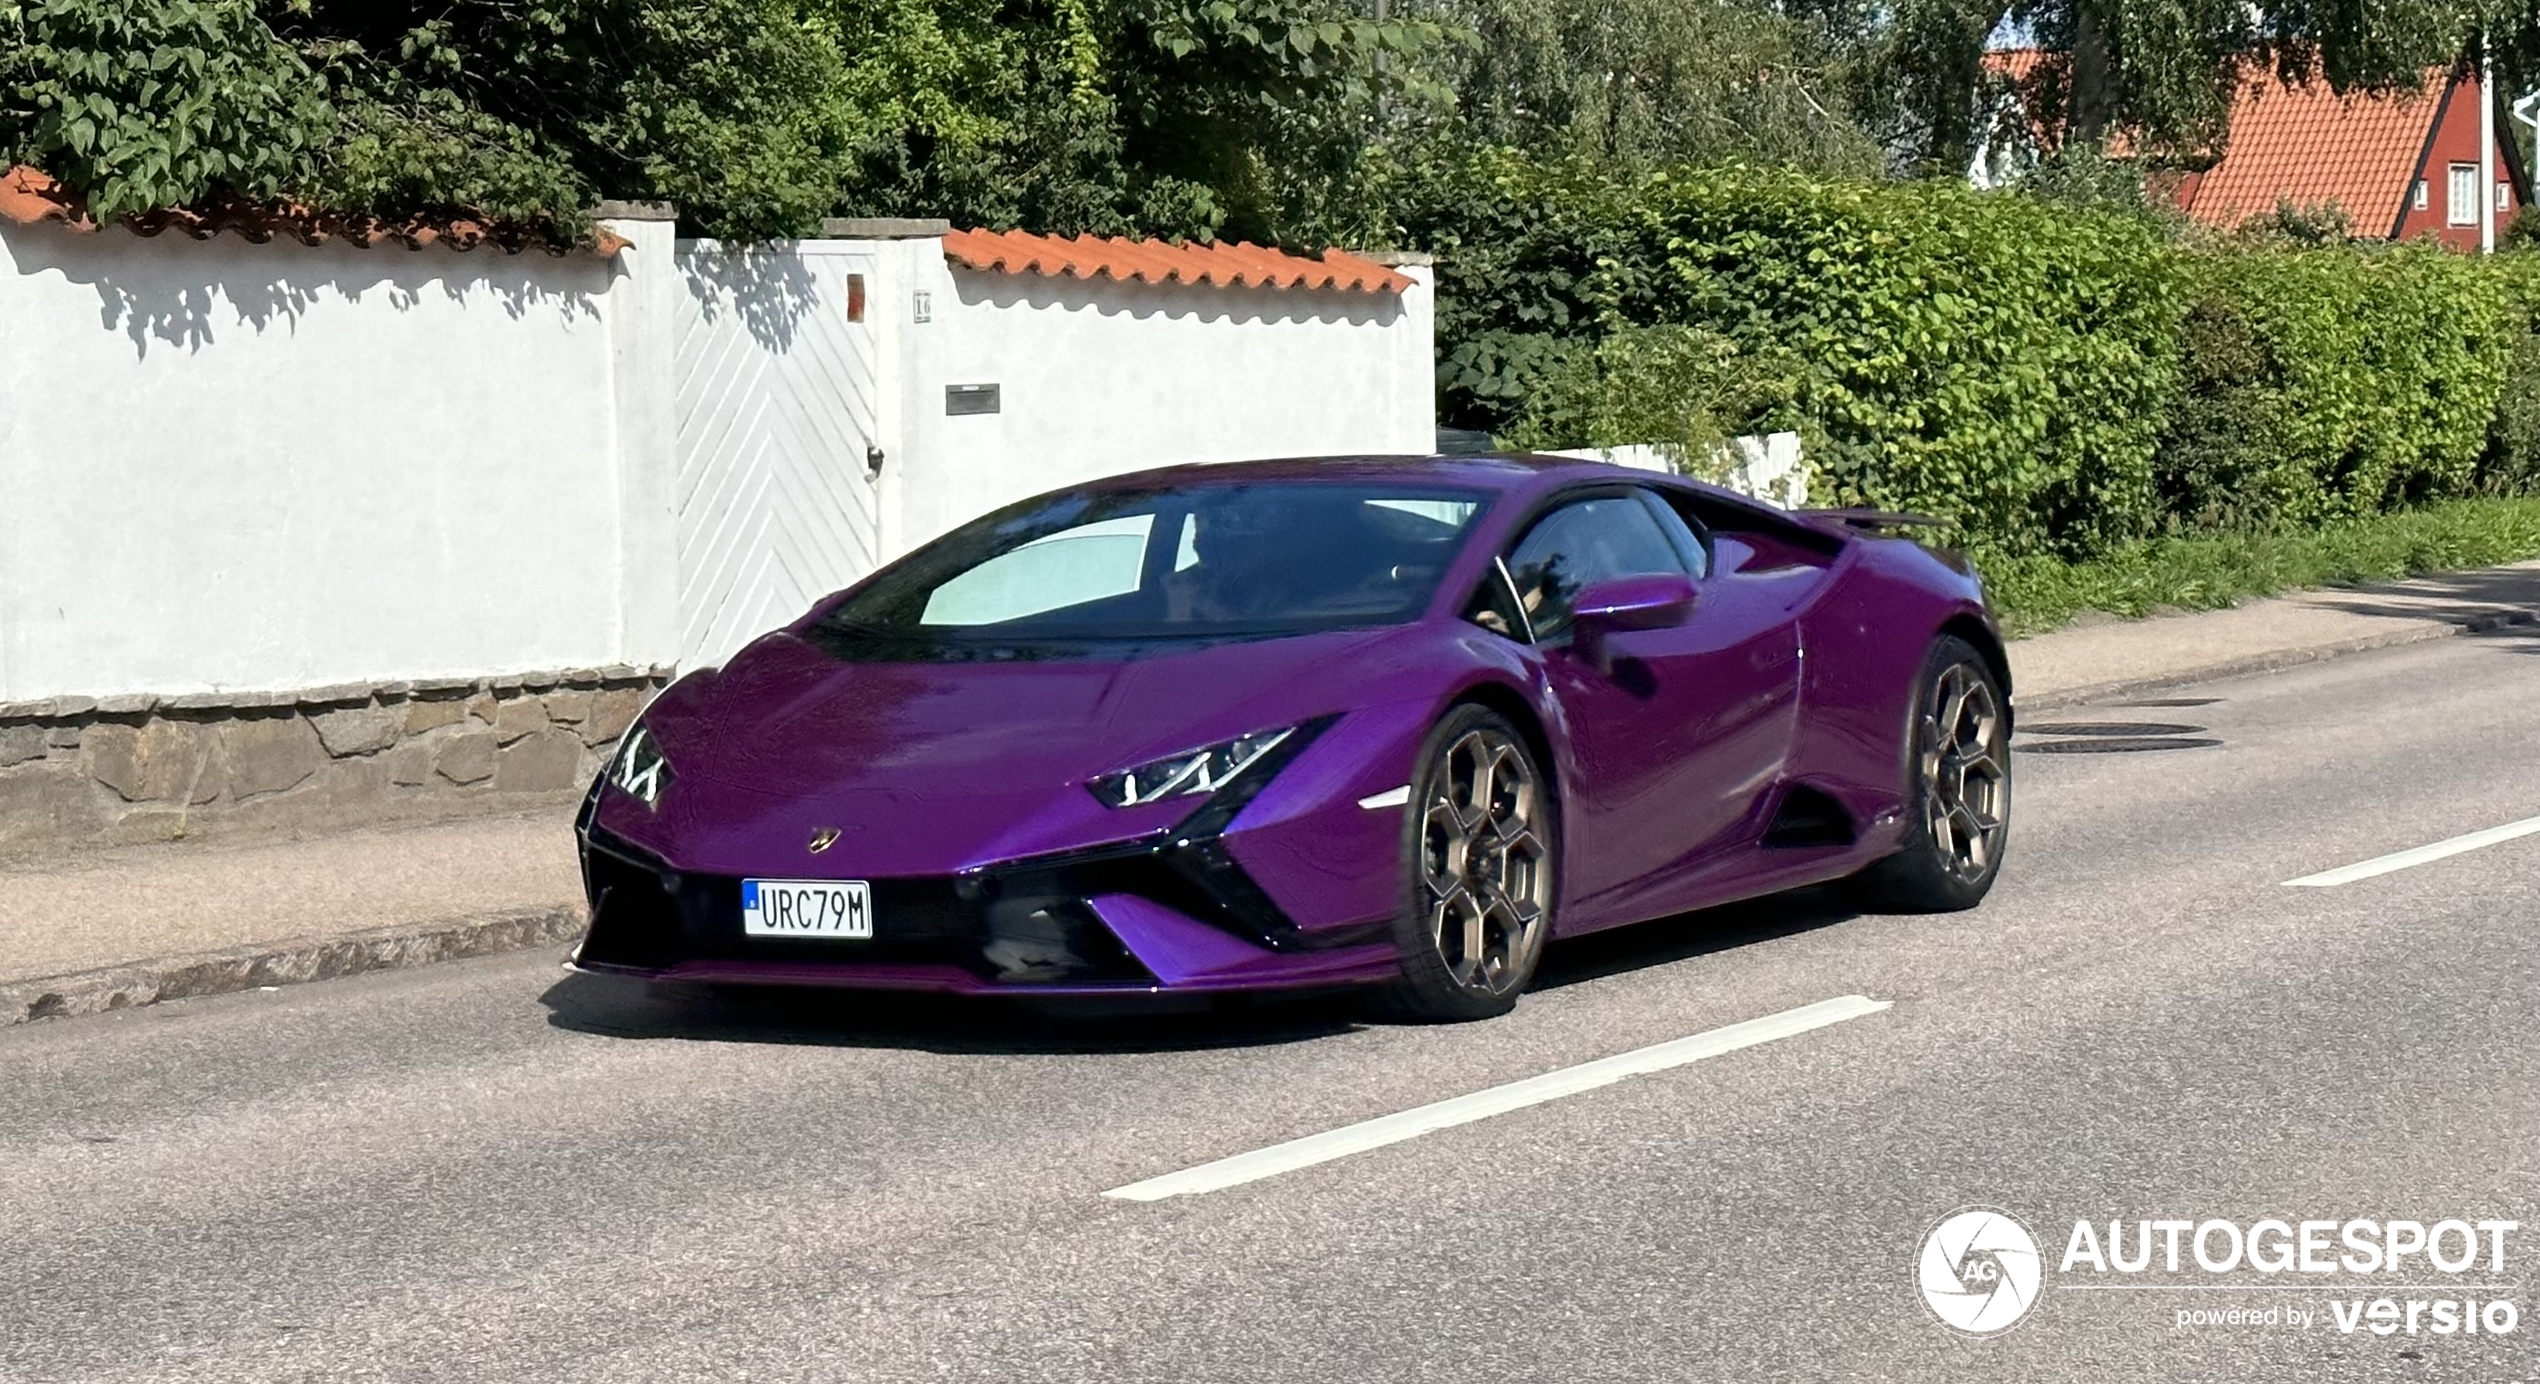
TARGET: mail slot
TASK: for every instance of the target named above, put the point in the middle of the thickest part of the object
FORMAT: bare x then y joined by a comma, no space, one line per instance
972,398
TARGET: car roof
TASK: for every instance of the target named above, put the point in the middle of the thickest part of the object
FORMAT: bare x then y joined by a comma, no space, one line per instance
1514,471
1526,475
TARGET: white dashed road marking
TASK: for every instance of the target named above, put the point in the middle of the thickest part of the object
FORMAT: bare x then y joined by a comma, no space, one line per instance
2422,855
1498,1100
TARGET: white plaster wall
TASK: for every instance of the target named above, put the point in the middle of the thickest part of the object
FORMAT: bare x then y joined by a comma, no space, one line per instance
640,312
234,466
227,466
1103,377
1768,467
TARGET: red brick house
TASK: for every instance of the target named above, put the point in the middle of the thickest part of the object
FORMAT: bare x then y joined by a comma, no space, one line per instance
2399,166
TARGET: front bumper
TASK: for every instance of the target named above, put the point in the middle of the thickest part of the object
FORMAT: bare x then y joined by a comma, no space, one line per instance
1170,912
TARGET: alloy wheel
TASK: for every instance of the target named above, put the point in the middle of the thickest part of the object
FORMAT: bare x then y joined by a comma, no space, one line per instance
1964,785
1483,863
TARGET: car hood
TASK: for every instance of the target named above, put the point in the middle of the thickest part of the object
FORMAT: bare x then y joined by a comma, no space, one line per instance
930,768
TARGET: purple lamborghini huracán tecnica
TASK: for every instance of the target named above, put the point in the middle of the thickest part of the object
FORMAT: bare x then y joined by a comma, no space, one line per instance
1382,721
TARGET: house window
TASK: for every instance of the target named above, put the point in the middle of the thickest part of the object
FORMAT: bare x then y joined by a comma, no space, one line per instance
2460,207
2504,197
2421,200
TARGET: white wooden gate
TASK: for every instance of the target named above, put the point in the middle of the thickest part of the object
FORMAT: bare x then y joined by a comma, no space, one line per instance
779,380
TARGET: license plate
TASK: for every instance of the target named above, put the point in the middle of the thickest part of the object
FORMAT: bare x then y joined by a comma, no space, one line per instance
806,908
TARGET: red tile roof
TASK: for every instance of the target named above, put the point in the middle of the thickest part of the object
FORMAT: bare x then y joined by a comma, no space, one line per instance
2310,146
28,196
2018,64
2023,68
1159,262
2305,144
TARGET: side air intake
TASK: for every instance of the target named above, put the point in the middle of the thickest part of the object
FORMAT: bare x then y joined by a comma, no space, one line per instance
1808,818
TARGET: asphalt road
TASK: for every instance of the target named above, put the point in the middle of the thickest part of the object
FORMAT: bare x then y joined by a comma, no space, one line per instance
489,1170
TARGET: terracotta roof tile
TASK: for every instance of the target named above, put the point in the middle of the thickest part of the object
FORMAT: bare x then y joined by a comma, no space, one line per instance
1238,265
2018,64
2030,72
2312,146
28,196
2306,144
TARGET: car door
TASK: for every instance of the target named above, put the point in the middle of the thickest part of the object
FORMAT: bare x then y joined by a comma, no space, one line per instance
1678,733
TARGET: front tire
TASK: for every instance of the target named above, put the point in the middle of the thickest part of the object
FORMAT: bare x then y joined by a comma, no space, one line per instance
1958,813
1481,838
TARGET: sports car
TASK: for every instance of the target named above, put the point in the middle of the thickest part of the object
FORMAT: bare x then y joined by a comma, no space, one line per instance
1394,722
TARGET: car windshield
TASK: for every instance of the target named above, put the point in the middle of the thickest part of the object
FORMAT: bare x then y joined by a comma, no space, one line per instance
1193,561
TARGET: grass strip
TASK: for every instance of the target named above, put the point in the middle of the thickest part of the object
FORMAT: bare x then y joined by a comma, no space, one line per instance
2034,595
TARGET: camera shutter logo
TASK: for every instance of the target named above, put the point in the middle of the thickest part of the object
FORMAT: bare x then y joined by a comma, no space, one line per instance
1979,1271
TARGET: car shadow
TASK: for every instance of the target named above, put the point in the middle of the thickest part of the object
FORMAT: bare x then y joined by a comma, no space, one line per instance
2520,638
2493,605
617,1007
1684,936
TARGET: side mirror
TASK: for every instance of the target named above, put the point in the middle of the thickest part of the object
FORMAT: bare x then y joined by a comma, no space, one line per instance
1628,603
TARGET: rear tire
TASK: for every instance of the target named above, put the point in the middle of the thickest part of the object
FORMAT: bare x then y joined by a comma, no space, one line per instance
1481,837
1958,803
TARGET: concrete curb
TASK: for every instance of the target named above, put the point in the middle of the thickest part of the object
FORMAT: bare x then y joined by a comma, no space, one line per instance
284,963
2273,660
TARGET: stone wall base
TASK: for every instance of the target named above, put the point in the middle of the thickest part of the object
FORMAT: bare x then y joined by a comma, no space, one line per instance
83,771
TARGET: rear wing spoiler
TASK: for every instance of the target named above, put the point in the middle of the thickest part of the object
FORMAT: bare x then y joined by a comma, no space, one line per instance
1875,520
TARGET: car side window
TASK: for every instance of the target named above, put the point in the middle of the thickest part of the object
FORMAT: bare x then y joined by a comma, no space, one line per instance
1683,531
1494,607
1586,541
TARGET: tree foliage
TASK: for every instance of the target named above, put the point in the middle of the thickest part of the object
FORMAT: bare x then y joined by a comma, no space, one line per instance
1647,83
758,116
1245,118
2160,71
147,104
1280,120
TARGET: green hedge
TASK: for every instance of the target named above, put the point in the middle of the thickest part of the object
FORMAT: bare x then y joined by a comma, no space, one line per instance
2053,381
2513,442
2335,382
1982,359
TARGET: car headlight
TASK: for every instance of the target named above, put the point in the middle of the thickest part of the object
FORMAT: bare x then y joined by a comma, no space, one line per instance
641,770
1190,773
